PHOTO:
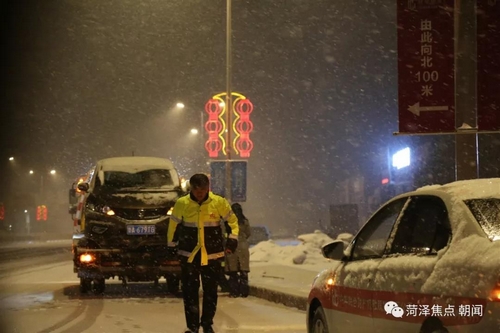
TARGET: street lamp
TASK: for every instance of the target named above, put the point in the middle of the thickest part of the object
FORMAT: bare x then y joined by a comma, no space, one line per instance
27,221
41,189
194,130
11,158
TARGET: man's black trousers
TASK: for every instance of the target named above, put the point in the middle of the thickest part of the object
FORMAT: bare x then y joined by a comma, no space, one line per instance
190,277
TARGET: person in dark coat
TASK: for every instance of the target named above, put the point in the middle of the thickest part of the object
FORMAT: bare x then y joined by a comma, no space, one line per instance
237,264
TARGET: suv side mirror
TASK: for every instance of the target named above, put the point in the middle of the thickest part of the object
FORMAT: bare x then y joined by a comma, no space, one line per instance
334,250
84,187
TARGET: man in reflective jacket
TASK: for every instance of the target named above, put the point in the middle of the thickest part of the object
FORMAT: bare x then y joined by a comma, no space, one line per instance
195,233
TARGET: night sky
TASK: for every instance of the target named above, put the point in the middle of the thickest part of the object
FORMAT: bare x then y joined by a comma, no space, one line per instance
85,80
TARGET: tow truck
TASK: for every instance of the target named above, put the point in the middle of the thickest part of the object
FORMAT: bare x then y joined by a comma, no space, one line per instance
125,212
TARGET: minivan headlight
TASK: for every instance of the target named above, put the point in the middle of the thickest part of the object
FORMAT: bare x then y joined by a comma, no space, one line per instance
107,210
101,209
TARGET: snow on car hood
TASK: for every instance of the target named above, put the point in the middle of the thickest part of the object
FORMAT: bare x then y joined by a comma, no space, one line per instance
141,199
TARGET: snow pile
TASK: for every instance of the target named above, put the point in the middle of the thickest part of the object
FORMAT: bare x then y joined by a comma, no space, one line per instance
307,252
345,237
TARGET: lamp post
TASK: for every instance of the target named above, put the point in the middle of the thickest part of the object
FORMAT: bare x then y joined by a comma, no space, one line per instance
196,131
27,221
26,190
229,103
41,190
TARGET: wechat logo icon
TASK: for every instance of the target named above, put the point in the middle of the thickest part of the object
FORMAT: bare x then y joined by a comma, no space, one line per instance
394,309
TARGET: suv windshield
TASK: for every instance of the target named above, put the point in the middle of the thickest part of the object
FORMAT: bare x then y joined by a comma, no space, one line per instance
487,213
145,179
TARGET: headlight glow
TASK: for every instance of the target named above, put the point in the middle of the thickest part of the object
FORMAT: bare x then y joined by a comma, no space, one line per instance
330,280
107,210
87,258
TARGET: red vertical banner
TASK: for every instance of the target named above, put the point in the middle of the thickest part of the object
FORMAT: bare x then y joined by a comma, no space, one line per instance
488,65
426,66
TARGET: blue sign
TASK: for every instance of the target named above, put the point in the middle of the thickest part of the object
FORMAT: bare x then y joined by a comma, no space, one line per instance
238,181
218,177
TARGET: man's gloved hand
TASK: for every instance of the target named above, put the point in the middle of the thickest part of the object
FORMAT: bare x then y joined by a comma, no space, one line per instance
231,245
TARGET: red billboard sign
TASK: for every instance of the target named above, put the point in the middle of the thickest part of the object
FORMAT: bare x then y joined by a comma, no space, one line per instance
488,65
426,73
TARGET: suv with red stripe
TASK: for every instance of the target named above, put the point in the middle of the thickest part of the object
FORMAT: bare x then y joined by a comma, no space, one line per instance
427,261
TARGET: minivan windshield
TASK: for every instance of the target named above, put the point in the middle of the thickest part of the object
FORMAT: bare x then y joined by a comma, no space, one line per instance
487,213
155,178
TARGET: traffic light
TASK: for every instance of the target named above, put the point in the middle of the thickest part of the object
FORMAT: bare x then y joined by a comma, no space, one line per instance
2,212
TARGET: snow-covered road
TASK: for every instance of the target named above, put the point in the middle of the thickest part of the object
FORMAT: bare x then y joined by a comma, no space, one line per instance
45,298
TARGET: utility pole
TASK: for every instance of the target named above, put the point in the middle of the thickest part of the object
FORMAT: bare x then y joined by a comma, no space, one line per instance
229,103
466,145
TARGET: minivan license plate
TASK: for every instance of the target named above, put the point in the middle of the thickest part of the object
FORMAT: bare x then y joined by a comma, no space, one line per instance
136,229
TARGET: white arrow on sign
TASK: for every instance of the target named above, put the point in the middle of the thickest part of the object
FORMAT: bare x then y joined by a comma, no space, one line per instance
416,108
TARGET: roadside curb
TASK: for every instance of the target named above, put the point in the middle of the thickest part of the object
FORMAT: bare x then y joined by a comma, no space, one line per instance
293,301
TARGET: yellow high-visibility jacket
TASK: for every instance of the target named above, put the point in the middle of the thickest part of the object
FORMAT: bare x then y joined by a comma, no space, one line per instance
196,227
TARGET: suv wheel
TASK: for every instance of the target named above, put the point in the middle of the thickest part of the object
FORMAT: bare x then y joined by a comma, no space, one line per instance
319,324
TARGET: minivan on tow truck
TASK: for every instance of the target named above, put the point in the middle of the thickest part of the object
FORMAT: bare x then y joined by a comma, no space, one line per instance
124,223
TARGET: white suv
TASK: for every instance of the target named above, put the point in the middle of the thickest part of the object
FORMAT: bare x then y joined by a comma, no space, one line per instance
427,261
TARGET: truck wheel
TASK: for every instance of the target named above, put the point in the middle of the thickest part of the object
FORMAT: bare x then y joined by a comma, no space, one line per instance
85,285
99,286
173,283
124,282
